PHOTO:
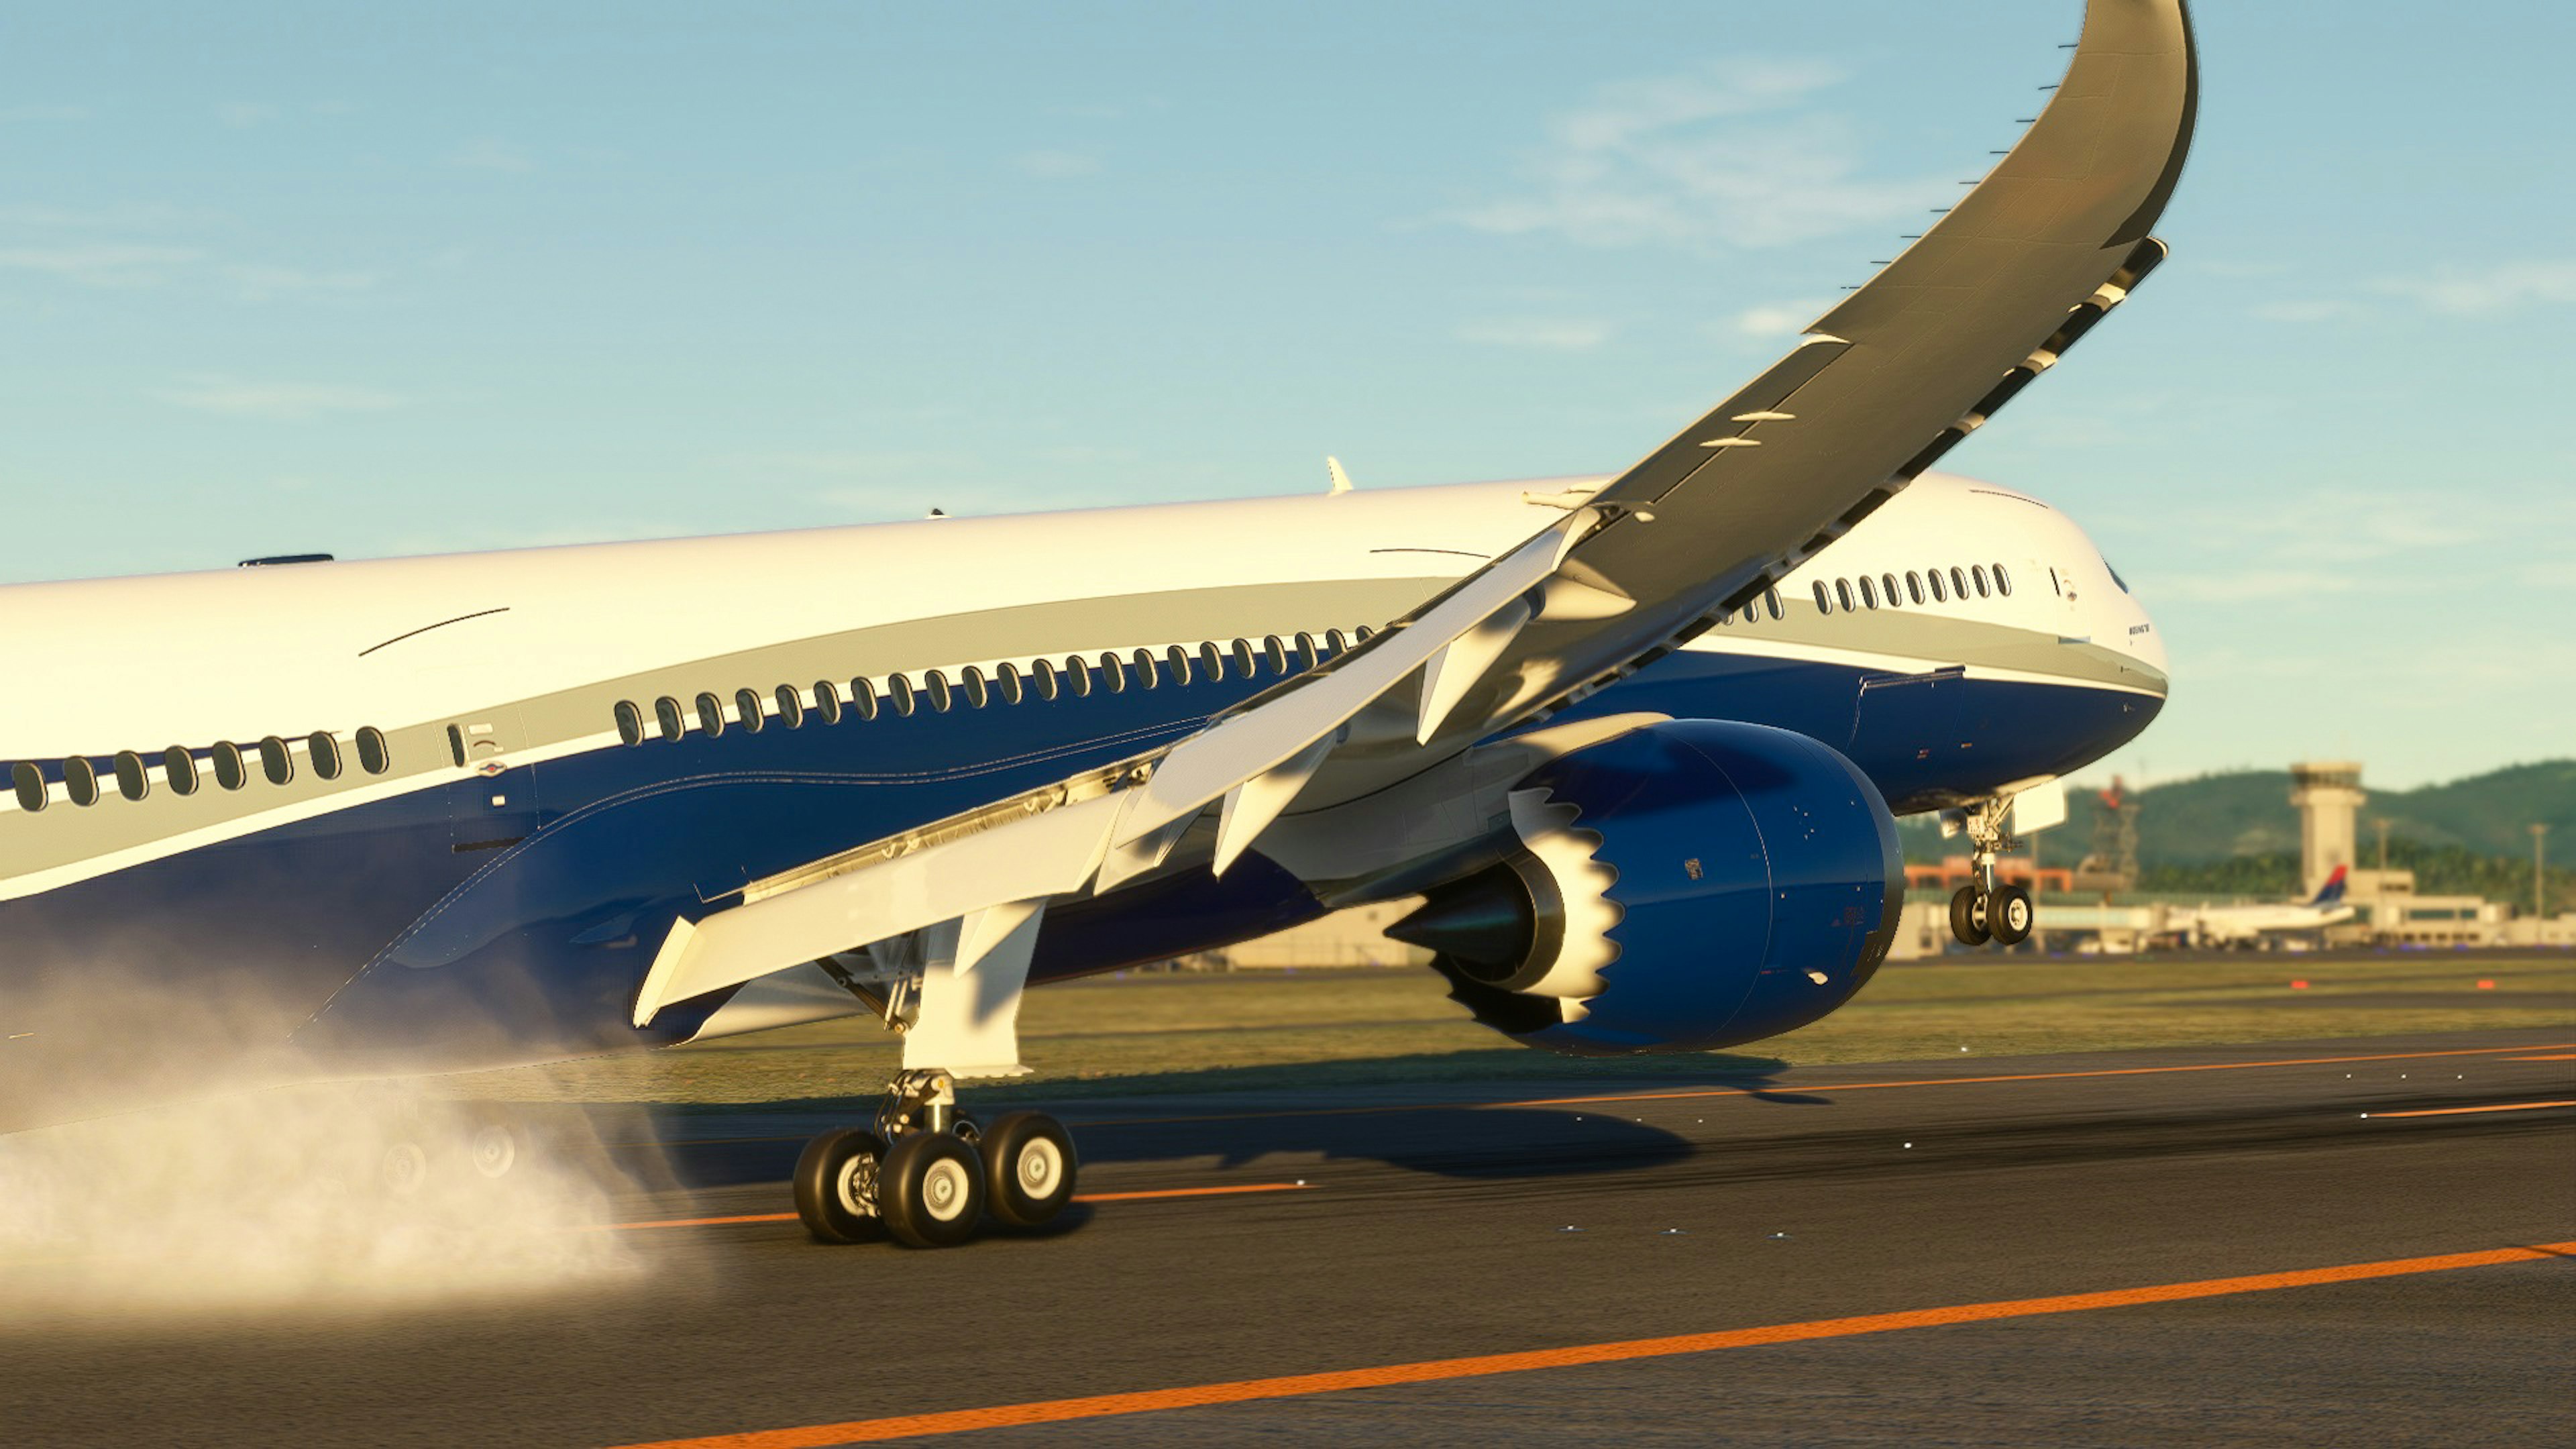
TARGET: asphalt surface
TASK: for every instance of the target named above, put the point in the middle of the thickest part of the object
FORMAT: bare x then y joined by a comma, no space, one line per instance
1436,1223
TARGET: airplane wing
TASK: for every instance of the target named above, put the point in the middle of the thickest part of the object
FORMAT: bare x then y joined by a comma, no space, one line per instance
1990,296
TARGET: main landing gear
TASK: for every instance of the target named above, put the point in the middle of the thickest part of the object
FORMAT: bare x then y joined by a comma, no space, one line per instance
1984,910
925,1173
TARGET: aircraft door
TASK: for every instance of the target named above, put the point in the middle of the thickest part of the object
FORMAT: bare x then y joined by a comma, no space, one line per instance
498,806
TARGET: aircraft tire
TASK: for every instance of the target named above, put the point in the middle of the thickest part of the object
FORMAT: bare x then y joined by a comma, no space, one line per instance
1029,1169
2011,915
930,1192
1968,918
839,1190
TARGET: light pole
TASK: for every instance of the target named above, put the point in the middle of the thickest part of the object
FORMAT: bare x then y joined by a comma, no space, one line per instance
2539,833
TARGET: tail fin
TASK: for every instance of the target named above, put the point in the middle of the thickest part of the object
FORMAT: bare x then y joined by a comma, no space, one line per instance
2331,893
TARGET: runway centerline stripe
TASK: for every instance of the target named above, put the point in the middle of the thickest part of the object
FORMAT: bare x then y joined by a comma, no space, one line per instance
1700,1093
1055,1411
2464,1111
2560,1057
1150,1194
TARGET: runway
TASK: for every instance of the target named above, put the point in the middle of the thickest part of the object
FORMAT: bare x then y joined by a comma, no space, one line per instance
1815,1256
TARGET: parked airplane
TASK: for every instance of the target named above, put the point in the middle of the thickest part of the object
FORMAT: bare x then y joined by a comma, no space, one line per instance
1636,739
2241,925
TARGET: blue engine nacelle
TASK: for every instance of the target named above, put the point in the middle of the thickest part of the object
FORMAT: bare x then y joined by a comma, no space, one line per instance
1690,884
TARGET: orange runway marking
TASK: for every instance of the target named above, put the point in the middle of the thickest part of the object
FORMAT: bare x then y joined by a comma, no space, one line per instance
2463,1111
1056,1411
1229,1190
2561,1057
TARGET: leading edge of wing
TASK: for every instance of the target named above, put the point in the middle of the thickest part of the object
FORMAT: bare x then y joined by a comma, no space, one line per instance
1918,357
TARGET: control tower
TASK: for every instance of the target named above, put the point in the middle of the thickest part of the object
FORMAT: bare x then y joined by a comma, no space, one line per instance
2328,795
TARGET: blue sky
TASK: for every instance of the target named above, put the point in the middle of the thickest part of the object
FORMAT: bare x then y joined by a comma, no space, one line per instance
386,280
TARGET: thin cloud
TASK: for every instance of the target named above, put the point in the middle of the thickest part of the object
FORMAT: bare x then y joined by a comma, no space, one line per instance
489,154
102,264
1057,165
1779,319
2243,586
2469,292
285,401
1682,161
1546,334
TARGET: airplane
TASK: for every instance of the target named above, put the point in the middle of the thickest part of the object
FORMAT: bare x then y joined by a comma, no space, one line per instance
2245,925
1636,740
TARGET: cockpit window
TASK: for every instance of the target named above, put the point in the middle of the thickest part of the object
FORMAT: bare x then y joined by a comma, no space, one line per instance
2115,576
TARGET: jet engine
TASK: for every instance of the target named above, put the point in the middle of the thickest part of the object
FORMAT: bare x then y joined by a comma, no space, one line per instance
1687,885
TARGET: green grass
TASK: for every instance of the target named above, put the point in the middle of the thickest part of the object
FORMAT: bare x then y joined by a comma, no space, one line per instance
1263,1031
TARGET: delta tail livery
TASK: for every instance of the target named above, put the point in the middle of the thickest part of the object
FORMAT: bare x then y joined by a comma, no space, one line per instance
2243,924
1636,740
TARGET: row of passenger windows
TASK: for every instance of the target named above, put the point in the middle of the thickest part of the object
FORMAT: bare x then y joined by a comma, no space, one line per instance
1075,677
1935,585
184,771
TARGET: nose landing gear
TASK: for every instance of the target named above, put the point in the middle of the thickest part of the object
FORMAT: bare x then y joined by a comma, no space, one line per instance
926,1174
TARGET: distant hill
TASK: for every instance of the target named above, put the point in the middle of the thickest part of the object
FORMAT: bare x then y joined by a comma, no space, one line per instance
2216,827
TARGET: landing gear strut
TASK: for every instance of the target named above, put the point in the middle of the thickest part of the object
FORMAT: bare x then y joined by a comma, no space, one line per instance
926,1173
1984,910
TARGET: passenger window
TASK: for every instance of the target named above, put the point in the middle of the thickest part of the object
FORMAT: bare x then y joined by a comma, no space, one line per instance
1078,674
746,708
1824,605
630,727
1771,601
1278,649
666,714
1212,662
935,685
1887,582
1308,656
1006,679
1843,594
1868,592
711,715
131,782
1367,632
323,749
972,686
179,768
1244,667
1940,591
791,707
2003,581
30,784
1148,673
1979,574
1958,583
276,761
1113,674
1044,671
827,701
80,781
231,770
1179,660
374,756
899,694
863,698
1337,641
1750,611
1914,586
